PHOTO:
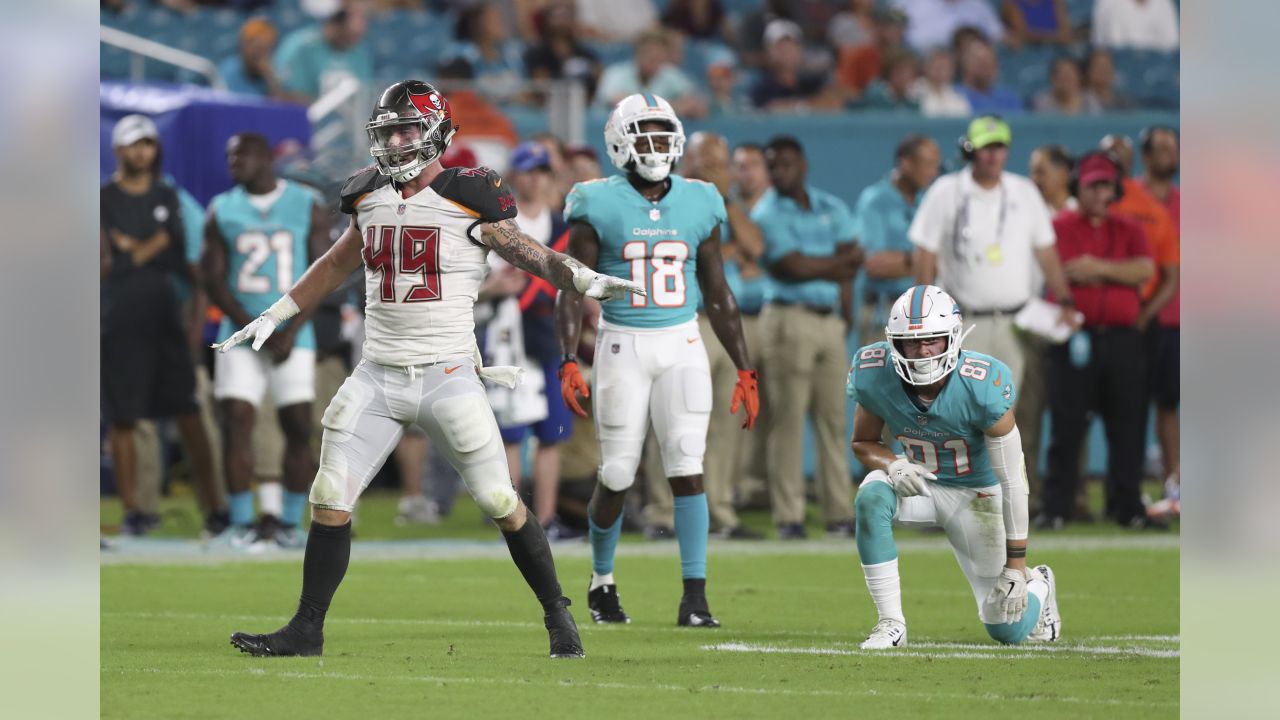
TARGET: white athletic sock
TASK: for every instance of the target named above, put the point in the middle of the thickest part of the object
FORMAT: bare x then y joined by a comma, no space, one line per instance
599,580
886,589
271,499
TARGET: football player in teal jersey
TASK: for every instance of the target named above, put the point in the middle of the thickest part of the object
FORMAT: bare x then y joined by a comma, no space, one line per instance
661,231
952,411
259,238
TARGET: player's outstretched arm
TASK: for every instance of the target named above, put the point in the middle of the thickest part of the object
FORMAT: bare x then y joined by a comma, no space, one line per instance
324,275
726,320
566,273
1004,446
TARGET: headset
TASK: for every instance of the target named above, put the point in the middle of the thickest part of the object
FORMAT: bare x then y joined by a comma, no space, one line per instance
965,145
1073,182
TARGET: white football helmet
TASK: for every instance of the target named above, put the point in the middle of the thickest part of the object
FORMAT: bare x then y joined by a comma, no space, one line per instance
925,311
630,149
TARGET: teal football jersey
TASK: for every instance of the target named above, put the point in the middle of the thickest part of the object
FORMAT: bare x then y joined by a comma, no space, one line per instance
652,244
266,251
948,437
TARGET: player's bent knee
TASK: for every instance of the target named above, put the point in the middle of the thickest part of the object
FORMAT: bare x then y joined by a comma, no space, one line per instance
330,487
499,500
875,499
1007,633
466,421
618,475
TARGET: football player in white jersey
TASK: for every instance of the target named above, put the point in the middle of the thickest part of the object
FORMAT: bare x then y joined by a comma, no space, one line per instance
423,233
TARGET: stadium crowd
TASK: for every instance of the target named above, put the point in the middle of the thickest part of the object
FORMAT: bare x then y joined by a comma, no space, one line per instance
1082,233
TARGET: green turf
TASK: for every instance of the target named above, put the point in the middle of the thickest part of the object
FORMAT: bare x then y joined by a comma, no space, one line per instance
452,638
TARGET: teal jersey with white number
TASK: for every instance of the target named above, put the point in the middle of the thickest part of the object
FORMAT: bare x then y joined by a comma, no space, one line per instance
948,438
651,244
266,250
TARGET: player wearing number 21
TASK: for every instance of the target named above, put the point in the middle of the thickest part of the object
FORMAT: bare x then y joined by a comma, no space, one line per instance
662,231
423,233
952,411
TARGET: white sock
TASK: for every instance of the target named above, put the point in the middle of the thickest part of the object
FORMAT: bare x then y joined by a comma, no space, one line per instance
271,499
886,589
600,580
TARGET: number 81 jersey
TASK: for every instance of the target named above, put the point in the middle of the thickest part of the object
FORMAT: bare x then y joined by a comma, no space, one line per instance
653,244
947,438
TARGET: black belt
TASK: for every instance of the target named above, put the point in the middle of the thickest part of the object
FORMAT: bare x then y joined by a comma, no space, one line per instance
993,313
815,309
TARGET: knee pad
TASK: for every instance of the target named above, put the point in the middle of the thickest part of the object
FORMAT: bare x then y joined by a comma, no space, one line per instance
875,498
466,421
330,487
618,474
490,486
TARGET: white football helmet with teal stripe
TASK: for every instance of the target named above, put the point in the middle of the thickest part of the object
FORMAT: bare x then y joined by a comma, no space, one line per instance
925,311
652,154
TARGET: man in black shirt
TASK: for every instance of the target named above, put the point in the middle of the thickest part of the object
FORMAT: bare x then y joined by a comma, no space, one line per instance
147,369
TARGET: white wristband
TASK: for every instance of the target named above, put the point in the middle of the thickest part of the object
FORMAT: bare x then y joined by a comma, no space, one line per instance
582,275
282,310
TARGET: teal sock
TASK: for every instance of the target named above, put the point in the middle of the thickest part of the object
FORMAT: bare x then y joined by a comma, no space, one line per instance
241,505
295,503
693,523
1015,632
604,543
874,507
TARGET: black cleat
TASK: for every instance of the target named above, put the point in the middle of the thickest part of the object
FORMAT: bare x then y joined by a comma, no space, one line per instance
563,632
604,605
286,642
695,613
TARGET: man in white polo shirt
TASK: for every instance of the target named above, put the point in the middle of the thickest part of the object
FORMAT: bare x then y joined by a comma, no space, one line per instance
979,234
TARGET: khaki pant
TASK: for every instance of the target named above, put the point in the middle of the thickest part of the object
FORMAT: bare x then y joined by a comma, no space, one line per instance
805,367
150,450
1029,411
996,336
268,443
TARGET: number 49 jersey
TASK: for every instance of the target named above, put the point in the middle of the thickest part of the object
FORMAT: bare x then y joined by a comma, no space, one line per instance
266,248
653,244
948,437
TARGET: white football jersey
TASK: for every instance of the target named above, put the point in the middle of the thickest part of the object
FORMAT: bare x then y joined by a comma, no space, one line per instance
422,268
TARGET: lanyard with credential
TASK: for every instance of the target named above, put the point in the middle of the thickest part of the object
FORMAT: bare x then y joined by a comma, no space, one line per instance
961,232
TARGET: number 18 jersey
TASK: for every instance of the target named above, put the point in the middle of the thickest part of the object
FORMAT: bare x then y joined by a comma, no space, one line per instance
653,244
947,438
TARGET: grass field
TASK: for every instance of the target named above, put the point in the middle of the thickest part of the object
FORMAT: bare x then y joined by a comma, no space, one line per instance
447,629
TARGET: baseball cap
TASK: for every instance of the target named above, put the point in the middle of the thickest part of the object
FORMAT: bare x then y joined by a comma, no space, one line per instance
781,30
989,130
573,151
1097,168
132,128
530,155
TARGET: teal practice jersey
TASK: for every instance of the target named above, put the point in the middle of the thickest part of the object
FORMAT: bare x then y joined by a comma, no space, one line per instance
266,251
652,244
948,438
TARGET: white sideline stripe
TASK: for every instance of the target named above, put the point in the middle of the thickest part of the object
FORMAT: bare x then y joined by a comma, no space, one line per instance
966,651
730,689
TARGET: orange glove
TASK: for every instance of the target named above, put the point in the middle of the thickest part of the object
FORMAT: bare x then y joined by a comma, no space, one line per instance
572,385
747,392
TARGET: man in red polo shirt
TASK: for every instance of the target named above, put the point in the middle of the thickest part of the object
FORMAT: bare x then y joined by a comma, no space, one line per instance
1101,369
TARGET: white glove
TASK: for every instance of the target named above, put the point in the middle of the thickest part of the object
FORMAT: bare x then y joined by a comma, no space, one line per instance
603,287
1009,595
908,479
261,327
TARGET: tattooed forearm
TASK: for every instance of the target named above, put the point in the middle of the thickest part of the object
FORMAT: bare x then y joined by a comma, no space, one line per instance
528,254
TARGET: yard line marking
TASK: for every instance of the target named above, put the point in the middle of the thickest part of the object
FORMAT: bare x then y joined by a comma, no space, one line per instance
968,651
256,672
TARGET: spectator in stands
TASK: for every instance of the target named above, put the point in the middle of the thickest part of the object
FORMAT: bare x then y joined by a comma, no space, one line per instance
1160,162
1051,172
853,27
146,364
979,234
936,91
1035,22
485,52
558,54
651,71
1135,24
616,20
783,85
697,19
931,23
1100,82
860,66
313,59
1101,369
893,90
883,215
583,163
727,100
979,72
250,71
812,257
1065,94
812,16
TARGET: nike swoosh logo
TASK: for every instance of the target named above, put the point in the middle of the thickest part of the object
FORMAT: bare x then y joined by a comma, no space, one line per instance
497,183
691,340
997,380
1011,587
449,370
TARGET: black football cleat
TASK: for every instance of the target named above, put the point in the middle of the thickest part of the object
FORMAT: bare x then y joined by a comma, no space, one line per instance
288,641
695,613
563,632
604,606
